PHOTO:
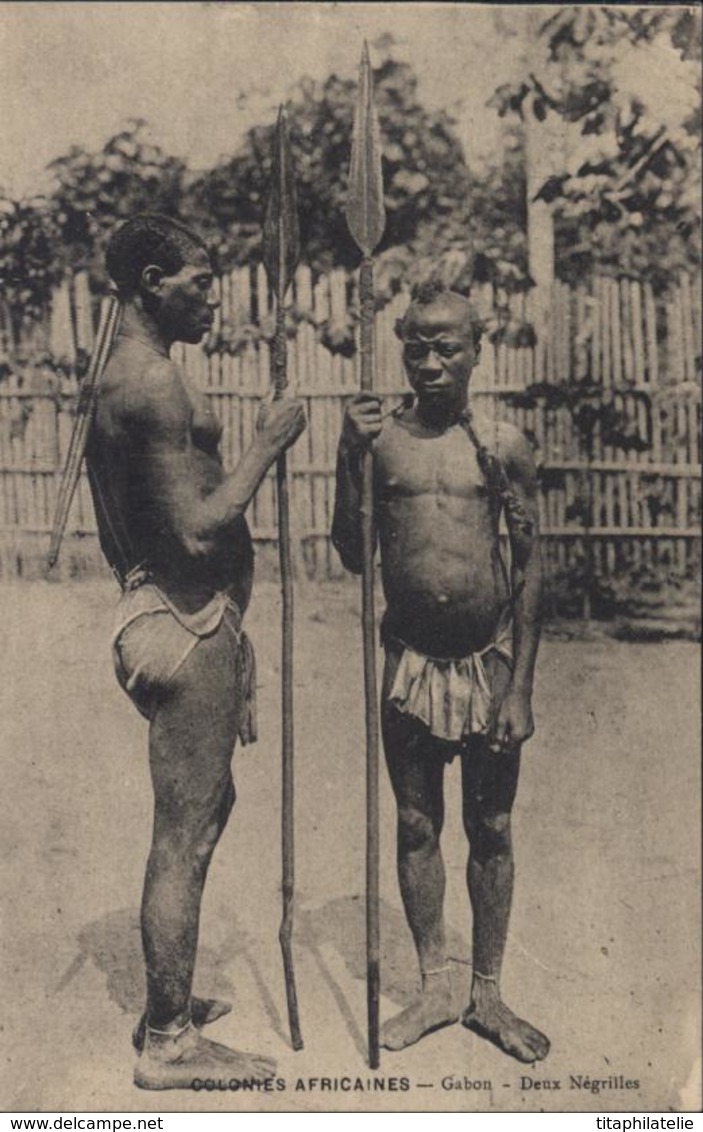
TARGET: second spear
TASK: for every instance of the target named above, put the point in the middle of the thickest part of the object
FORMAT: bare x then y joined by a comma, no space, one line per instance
280,256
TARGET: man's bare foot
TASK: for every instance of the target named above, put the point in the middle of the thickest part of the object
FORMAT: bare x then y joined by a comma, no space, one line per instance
203,1011
433,1009
185,1059
490,1018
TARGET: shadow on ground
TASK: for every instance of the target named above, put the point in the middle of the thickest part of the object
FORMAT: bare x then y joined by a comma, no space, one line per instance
341,924
113,945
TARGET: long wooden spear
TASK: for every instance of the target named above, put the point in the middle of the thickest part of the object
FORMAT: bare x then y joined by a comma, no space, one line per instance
85,410
366,219
280,255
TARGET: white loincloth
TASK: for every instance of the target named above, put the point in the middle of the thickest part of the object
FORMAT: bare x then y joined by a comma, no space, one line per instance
153,638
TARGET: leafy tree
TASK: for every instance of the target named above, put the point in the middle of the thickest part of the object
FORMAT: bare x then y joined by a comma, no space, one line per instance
425,175
490,227
627,199
28,267
94,191
66,230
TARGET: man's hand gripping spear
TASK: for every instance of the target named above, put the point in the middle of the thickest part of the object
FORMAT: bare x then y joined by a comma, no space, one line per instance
366,219
280,256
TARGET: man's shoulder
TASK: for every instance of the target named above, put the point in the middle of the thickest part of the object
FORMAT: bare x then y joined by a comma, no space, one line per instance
151,392
501,438
395,429
509,444
512,439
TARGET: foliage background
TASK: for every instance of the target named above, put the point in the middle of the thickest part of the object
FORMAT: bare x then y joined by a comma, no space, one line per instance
624,190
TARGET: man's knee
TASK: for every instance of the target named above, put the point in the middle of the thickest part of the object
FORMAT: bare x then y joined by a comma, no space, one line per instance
206,839
229,797
192,834
489,834
416,830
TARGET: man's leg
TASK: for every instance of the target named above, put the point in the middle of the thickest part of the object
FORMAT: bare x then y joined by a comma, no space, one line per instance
416,772
191,742
489,785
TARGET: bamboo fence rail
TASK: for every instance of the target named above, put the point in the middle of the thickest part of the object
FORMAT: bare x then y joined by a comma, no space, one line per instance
644,350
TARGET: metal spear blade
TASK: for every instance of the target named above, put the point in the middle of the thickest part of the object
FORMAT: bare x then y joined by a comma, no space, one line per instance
366,216
280,242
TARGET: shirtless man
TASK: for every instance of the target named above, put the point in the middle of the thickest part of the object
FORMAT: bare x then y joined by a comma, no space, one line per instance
172,527
460,638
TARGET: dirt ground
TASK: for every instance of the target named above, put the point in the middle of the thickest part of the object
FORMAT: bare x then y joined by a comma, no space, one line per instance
604,946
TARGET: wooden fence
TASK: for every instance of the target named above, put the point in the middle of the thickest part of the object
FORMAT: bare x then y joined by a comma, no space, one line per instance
643,350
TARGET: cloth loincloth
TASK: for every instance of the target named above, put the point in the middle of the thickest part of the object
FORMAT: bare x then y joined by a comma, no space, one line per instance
153,638
452,697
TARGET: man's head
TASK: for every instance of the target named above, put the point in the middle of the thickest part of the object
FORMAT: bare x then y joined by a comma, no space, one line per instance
441,343
166,268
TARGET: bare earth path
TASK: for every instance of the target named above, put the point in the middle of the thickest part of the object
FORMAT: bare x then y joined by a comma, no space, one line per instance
604,947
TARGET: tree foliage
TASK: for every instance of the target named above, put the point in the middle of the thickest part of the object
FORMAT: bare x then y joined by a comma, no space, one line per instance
67,229
425,175
93,192
628,200
440,217
28,264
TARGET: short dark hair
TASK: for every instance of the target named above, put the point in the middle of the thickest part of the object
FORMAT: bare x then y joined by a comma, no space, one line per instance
429,292
148,238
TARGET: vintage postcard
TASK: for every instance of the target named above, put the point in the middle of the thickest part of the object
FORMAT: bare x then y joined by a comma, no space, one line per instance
481,849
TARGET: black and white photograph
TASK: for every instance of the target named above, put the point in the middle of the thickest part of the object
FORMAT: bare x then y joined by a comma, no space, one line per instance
350,546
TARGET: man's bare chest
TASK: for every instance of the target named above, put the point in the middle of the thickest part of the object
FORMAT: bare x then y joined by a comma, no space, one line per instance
409,466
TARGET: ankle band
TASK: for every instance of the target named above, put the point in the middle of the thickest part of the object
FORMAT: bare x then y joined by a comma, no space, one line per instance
169,1033
435,971
486,978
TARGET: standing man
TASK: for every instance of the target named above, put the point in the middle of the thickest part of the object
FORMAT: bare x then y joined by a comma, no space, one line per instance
172,527
460,636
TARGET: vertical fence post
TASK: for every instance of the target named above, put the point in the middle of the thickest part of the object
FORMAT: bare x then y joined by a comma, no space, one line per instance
621,330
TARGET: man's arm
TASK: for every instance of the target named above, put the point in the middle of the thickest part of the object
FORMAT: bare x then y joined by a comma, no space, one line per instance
158,417
346,524
362,424
515,723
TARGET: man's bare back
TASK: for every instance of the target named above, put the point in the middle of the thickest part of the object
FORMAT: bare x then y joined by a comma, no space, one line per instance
151,426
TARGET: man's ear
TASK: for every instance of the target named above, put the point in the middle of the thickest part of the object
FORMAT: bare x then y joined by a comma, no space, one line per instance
152,278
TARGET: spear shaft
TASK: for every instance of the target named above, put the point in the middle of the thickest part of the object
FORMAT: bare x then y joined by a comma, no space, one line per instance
368,628
366,221
85,411
280,254
287,735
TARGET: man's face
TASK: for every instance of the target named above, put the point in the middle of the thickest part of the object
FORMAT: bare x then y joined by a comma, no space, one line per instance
439,352
188,300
